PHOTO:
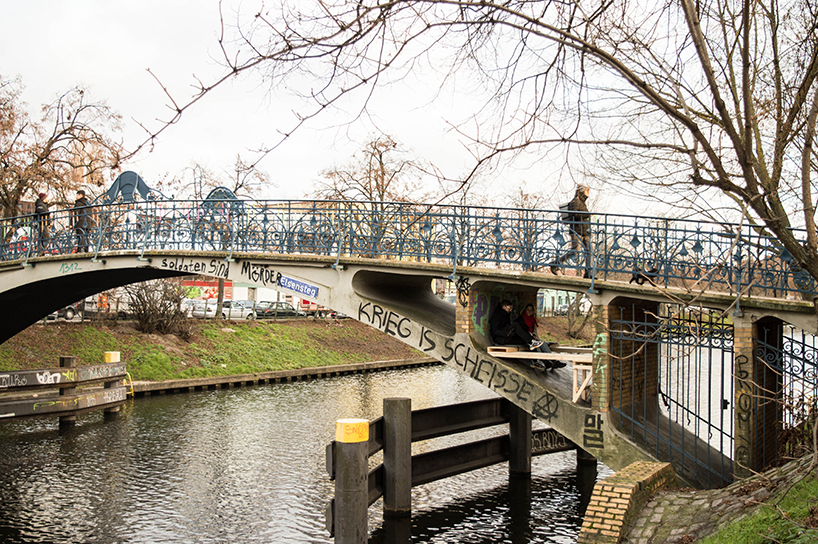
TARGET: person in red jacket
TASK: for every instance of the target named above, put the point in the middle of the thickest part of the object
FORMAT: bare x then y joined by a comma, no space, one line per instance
528,319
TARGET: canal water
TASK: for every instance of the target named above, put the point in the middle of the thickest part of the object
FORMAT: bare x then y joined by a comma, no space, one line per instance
248,466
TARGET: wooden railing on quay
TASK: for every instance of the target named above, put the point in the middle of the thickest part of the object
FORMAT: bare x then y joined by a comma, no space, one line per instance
400,471
63,391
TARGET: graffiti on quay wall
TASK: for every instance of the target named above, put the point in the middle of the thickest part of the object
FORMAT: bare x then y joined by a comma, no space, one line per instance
45,378
485,371
547,406
260,274
264,275
546,440
217,268
90,400
592,434
12,380
68,268
744,410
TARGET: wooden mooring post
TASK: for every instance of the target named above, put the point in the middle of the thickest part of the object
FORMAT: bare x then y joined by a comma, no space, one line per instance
356,488
68,421
351,482
397,457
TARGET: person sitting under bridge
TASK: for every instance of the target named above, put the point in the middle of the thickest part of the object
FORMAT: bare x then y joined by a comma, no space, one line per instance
528,319
506,331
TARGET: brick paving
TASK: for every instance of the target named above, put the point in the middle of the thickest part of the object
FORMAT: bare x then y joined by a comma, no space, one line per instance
687,516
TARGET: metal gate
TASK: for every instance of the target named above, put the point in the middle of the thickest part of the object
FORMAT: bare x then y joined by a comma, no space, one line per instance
785,394
672,387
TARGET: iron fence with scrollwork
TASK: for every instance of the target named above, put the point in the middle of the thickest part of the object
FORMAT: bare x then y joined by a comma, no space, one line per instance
785,389
669,253
672,387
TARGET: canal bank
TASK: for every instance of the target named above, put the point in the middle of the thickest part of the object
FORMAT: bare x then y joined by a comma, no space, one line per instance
143,388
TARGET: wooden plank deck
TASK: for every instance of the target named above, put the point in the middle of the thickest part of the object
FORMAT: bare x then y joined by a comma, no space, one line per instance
581,359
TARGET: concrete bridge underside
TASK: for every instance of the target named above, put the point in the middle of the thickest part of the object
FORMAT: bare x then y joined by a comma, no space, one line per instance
395,297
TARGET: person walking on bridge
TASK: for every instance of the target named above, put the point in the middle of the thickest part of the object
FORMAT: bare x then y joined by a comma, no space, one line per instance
81,218
579,223
43,222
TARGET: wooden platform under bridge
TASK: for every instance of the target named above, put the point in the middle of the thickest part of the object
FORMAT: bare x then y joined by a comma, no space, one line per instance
580,358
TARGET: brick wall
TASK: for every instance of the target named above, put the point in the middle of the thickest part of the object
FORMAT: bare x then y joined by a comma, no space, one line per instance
463,316
617,499
634,360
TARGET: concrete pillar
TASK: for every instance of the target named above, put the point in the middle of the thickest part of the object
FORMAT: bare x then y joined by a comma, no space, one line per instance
68,362
397,530
587,471
519,434
351,481
519,509
397,457
585,458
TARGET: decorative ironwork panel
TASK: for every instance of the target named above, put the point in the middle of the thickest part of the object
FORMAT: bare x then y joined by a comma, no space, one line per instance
672,387
668,253
787,386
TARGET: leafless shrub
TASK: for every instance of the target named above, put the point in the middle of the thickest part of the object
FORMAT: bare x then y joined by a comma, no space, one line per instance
156,305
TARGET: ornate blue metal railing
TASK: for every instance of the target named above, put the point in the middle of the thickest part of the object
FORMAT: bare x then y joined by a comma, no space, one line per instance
669,253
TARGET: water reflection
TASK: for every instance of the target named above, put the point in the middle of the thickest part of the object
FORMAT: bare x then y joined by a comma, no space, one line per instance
247,465
546,508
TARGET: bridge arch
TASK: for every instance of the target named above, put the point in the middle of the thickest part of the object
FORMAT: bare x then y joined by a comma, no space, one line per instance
50,285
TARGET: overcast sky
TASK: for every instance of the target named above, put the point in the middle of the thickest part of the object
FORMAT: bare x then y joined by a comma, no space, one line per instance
107,48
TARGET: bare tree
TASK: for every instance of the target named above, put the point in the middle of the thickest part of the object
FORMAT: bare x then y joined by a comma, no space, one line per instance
69,147
243,178
379,172
711,106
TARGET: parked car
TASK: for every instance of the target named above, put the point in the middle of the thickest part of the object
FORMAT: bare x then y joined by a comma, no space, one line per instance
231,309
251,304
186,306
562,309
267,310
66,313
308,307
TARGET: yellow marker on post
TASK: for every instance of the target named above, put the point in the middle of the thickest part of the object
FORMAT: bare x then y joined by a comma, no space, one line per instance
349,431
111,356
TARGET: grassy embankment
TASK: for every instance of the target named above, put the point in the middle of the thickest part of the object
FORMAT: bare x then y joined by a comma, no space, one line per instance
216,348
789,516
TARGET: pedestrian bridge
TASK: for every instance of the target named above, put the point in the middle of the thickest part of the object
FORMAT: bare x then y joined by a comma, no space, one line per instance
694,361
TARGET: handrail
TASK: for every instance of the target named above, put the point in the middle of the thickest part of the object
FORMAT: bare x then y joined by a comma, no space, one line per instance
732,258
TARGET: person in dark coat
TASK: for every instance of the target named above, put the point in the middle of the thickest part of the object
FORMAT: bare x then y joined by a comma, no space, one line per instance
82,220
43,222
505,331
579,224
